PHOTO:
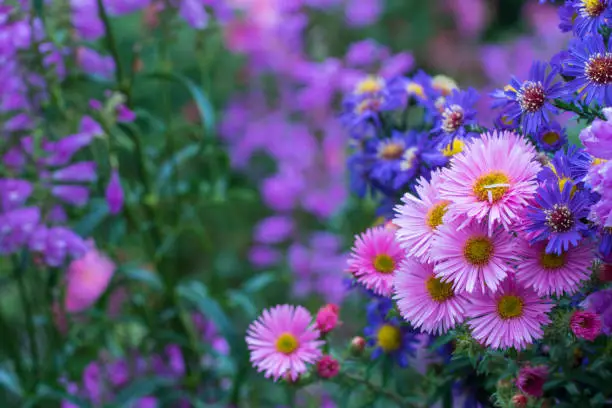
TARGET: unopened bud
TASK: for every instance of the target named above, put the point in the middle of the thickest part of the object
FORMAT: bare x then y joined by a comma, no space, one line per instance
357,345
327,318
519,401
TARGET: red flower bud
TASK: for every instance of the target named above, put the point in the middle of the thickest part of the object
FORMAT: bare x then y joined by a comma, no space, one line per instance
519,401
328,367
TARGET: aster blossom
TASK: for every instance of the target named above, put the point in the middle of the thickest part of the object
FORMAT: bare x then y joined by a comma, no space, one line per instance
597,138
456,112
419,217
424,300
591,15
530,101
585,325
375,257
513,316
471,258
551,137
589,62
282,341
531,380
556,218
492,180
551,273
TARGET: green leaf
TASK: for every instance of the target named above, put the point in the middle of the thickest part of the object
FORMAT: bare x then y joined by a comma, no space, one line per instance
179,157
10,381
87,224
205,108
244,302
442,340
259,282
141,275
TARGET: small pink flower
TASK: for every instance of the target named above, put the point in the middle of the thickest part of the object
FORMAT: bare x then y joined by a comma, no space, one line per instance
585,325
327,318
519,401
328,367
531,380
87,278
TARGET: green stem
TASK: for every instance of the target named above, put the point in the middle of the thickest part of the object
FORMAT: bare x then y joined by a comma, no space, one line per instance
111,43
18,271
399,401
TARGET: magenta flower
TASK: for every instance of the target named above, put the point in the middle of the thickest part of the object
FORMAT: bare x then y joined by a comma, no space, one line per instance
328,367
511,317
114,193
492,180
376,257
551,273
419,217
531,380
282,341
585,325
425,301
327,318
87,278
471,258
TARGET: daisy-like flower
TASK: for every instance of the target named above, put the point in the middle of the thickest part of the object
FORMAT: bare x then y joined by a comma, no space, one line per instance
457,111
556,218
597,138
531,380
471,257
590,16
513,316
589,62
585,325
530,100
551,137
419,217
387,335
375,258
282,341
425,301
550,273
492,180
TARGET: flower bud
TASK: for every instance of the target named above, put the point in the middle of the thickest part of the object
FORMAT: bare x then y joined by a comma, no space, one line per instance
357,345
519,401
114,193
328,367
327,318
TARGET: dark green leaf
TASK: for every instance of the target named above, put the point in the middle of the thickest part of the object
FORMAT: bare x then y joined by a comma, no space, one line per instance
179,157
259,282
10,381
99,211
149,278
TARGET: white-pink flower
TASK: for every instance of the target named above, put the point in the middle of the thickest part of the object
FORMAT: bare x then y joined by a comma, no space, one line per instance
87,278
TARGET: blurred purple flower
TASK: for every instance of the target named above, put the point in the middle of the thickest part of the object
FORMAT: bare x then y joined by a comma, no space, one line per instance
114,193
94,63
273,230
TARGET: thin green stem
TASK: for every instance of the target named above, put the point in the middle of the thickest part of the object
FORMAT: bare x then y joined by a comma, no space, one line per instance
399,401
111,43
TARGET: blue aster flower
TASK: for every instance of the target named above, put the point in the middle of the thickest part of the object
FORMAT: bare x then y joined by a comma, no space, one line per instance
388,335
605,242
567,16
558,216
591,15
530,101
457,112
551,137
418,88
559,170
362,108
589,62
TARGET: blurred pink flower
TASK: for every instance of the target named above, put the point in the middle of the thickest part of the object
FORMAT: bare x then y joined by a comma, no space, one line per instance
87,278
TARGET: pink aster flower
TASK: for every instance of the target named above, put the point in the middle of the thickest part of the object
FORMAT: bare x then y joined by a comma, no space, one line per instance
471,257
424,300
419,217
492,180
585,325
511,317
87,278
282,341
550,274
531,380
375,258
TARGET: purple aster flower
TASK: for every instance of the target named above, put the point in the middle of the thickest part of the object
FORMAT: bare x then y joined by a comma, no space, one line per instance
16,227
56,243
567,16
591,15
457,112
530,100
388,335
557,216
551,137
597,138
273,230
589,62
419,88
365,53
600,180
263,256
600,302
114,193
605,242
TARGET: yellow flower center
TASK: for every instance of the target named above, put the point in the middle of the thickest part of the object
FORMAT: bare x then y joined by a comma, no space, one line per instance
286,343
478,250
383,263
370,85
392,151
563,181
550,138
435,214
506,120
453,148
444,84
509,306
552,261
372,104
593,7
597,161
491,187
415,89
509,88
438,290
389,338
